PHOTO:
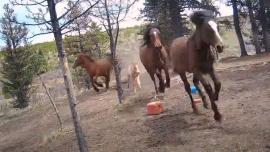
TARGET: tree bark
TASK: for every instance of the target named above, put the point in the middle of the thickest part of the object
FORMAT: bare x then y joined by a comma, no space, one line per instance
176,19
52,102
67,76
254,27
238,29
113,42
266,33
80,40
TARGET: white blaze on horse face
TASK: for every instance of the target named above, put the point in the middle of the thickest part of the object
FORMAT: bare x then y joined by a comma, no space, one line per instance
213,25
157,42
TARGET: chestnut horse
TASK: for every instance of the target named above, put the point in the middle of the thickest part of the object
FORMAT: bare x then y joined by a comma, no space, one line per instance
154,58
95,68
195,55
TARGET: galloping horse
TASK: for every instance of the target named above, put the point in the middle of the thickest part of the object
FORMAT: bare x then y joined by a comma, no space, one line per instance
95,68
195,55
154,57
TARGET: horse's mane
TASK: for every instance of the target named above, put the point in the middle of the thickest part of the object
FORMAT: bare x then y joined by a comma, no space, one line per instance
146,36
199,17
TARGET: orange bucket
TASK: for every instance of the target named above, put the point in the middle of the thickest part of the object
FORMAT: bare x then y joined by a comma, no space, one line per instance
154,108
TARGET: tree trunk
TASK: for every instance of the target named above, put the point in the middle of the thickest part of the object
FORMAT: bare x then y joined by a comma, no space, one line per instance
176,19
113,42
266,33
80,39
52,102
254,27
98,50
67,77
238,29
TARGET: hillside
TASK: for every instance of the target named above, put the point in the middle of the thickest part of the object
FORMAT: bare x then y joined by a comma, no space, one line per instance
112,127
119,128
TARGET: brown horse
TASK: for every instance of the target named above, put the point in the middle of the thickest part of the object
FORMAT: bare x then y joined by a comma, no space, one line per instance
194,55
95,68
155,58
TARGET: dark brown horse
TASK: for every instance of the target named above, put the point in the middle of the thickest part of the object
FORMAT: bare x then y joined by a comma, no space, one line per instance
196,55
95,68
155,58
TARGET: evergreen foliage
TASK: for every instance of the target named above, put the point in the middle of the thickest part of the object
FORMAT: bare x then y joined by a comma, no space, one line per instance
21,63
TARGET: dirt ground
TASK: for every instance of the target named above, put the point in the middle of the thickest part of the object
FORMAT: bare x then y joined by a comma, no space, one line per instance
110,127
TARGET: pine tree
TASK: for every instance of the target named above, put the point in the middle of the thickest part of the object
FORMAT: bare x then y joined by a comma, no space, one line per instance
20,63
170,17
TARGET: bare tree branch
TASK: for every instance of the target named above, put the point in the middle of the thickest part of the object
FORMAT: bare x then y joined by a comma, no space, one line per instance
70,21
64,14
63,33
15,2
44,33
32,24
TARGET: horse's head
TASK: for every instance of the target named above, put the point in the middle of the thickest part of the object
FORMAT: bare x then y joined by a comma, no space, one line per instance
152,37
78,61
207,29
154,34
81,60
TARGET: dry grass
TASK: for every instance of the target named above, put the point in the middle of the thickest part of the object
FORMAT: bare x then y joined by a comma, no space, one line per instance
57,134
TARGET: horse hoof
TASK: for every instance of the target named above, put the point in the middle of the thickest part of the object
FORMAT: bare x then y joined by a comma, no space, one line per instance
218,117
161,90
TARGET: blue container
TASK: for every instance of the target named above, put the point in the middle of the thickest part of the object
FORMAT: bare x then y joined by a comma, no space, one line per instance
194,89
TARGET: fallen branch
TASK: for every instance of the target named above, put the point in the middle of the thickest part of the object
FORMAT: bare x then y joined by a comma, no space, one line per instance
52,102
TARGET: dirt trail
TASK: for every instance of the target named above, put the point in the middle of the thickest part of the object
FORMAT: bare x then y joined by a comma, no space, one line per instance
109,127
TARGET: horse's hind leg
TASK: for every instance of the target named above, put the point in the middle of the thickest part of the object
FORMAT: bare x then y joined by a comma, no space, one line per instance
217,84
188,90
93,84
161,81
201,93
97,83
209,91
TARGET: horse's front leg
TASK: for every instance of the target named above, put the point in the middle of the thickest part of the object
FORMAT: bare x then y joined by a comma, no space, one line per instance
217,84
152,75
161,81
188,90
201,93
210,93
